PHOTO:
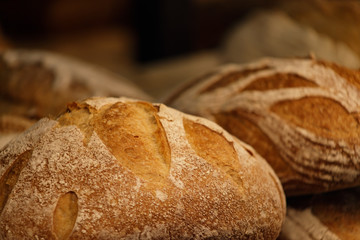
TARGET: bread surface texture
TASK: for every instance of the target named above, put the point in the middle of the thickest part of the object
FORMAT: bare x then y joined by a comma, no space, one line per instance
119,168
301,115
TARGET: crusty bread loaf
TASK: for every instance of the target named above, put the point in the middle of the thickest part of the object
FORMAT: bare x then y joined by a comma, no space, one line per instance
332,216
38,83
301,115
112,168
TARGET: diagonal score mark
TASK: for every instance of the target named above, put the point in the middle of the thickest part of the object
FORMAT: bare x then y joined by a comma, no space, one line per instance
11,176
214,148
65,215
131,131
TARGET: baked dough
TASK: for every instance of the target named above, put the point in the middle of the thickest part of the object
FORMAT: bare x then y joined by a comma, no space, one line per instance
118,168
301,115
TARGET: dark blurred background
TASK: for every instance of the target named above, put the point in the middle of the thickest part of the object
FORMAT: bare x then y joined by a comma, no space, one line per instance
158,28
158,39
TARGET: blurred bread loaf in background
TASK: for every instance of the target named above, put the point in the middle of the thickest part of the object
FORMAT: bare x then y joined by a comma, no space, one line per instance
35,84
337,19
41,83
275,34
12,125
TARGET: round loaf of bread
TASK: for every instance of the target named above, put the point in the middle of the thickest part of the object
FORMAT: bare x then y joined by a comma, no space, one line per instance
333,216
37,83
118,168
301,115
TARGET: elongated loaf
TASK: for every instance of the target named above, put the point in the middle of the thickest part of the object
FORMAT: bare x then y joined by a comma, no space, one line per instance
301,115
38,83
116,168
11,126
333,216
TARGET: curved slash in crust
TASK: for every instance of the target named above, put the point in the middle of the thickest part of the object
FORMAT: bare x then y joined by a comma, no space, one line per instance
11,176
65,215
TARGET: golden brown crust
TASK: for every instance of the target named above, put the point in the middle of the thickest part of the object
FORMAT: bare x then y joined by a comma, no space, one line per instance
245,129
322,116
302,115
231,77
65,215
277,81
214,148
91,165
350,75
